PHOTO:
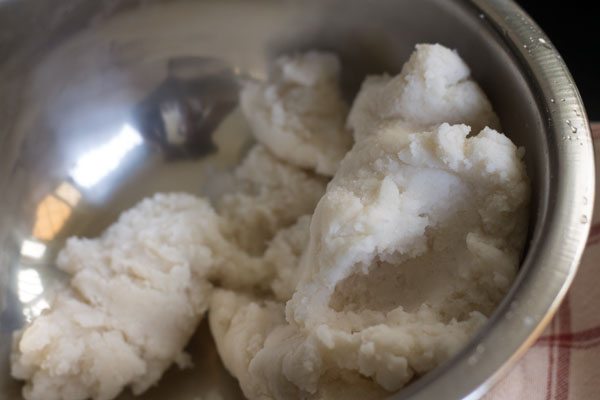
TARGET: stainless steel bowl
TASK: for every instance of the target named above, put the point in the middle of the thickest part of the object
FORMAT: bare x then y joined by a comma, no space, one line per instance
105,102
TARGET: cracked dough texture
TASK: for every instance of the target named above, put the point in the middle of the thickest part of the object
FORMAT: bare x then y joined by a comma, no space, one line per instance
299,113
139,291
434,86
433,222
430,220
136,296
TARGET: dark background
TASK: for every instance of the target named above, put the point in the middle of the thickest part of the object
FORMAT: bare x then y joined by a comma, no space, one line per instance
573,27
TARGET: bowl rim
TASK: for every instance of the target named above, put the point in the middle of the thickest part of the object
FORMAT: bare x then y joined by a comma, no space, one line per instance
555,252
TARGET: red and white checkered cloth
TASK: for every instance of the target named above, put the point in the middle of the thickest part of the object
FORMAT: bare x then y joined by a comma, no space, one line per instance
564,364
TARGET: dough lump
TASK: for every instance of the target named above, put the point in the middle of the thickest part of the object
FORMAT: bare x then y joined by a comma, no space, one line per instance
433,223
434,86
299,113
136,295
270,195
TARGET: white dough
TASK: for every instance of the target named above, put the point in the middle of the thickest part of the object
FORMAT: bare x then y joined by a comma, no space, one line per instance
299,113
271,359
414,243
143,286
433,223
435,86
137,294
283,256
270,195
239,327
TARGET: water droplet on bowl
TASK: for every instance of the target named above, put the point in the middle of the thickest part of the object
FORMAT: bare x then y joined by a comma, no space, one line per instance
551,100
544,43
583,219
482,16
573,129
562,100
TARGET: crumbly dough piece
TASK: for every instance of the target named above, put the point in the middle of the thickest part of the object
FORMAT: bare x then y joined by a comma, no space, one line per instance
299,114
270,195
434,86
400,196
433,223
134,257
283,257
271,359
239,327
142,287
136,296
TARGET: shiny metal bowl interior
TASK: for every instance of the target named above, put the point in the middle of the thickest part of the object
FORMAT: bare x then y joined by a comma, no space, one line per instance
79,77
